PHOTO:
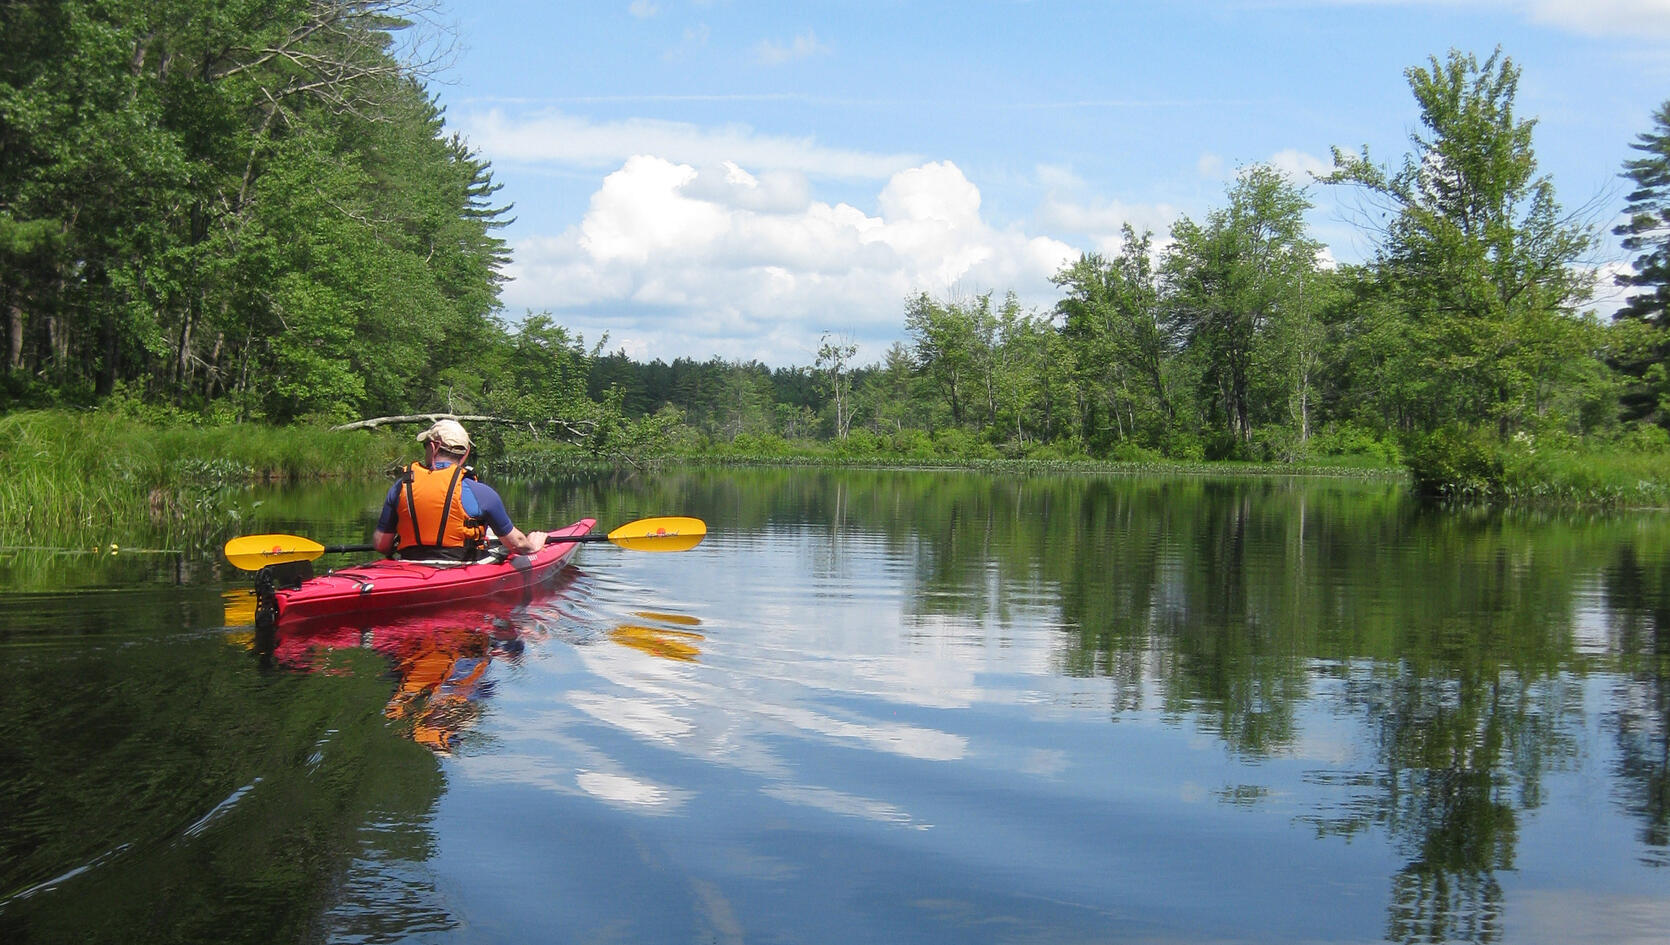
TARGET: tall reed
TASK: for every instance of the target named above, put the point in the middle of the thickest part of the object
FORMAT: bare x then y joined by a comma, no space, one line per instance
78,478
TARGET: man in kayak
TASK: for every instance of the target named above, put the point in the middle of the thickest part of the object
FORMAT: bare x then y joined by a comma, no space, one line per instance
438,509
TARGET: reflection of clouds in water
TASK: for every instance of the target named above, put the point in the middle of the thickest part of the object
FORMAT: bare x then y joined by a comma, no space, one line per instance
624,790
544,773
653,684
774,671
1559,916
1045,762
836,802
639,717
908,740
718,716
935,661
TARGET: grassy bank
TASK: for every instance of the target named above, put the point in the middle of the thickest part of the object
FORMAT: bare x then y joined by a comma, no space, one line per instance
1631,471
82,478
77,478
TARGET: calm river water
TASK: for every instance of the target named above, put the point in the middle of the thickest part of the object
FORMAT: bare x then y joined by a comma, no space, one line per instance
872,707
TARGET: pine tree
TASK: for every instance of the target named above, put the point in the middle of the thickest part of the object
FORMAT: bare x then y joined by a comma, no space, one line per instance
1647,233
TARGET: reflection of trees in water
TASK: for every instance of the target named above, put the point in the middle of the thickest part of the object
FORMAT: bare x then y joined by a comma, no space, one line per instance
1639,628
1458,758
208,801
1450,634
1229,602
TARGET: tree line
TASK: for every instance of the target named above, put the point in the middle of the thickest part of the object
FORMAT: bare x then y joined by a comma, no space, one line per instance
1232,337
253,210
251,206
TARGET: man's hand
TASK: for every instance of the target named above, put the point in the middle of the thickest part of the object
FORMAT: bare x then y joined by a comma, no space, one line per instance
521,544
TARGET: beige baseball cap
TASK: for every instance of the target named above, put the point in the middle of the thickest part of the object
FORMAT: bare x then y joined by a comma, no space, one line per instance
448,435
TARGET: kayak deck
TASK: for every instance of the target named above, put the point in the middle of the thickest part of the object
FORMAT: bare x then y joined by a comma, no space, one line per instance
391,584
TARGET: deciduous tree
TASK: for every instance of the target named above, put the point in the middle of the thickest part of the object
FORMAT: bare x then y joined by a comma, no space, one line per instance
1478,261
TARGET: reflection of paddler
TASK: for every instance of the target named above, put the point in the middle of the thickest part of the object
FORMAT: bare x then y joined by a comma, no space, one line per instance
440,675
439,665
659,641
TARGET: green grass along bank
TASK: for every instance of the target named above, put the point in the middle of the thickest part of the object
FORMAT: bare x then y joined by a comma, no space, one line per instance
84,478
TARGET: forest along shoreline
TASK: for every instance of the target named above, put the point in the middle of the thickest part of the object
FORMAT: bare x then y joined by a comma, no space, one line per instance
96,478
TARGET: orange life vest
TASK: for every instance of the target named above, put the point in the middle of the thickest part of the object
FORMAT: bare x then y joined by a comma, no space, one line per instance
431,510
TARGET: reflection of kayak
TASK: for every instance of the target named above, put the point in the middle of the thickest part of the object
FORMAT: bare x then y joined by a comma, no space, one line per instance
391,584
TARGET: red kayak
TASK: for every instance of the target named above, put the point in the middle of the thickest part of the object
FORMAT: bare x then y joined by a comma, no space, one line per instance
390,584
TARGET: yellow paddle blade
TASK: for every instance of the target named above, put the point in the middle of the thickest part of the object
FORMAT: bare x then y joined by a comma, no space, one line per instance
240,607
254,552
681,645
673,533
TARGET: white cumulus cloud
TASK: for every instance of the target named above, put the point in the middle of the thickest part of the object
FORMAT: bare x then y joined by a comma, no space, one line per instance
1301,168
671,258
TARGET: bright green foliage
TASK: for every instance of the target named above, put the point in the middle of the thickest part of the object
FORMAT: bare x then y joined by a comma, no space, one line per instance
1478,266
889,394
992,369
1113,331
945,336
1647,233
250,201
1236,297
251,209
832,365
1022,387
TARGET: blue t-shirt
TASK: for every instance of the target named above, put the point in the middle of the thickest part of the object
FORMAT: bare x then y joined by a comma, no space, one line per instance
480,502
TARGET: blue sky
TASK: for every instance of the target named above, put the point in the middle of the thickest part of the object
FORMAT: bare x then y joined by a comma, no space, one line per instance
721,177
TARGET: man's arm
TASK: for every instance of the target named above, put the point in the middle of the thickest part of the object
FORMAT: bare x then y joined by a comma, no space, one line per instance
387,521
490,509
523,544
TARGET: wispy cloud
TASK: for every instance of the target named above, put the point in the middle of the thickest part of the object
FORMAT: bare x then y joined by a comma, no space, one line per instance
643,9
561,139
770,52
1588,17
1603,17
1300,167
694,40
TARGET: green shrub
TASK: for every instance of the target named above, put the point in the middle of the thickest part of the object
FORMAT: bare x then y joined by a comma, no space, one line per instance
912,444
1460,462
1071,448
1277,444
1130,452
1344,438
859,444
1184,446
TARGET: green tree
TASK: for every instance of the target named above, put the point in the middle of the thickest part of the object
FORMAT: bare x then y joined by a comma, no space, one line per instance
239,199
833,364
889,392
1120,347
1235,295
1647,234
946,339
1478,263
1020,383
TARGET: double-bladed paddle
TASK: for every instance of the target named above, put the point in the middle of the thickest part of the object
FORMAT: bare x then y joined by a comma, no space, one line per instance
670,533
